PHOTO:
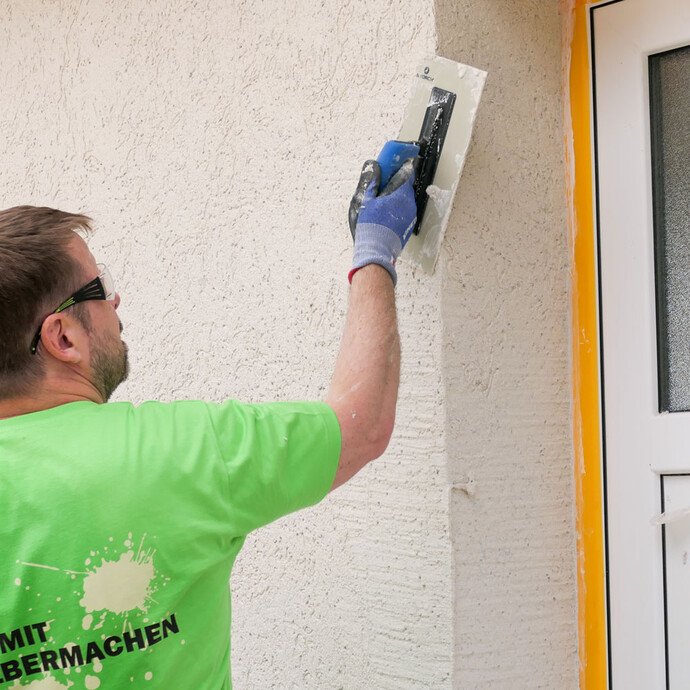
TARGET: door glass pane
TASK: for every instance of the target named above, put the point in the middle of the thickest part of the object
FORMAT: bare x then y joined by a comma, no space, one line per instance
669,88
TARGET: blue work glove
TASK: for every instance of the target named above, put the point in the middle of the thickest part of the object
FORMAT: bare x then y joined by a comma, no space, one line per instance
381,224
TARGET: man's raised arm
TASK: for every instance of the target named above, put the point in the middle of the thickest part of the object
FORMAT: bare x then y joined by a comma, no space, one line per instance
364,389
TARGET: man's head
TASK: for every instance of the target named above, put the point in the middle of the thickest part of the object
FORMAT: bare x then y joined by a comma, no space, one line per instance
42,262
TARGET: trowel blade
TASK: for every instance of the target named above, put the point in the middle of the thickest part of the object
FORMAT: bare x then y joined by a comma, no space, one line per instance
467,84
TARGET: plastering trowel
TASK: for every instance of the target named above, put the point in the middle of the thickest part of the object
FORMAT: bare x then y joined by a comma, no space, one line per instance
436,130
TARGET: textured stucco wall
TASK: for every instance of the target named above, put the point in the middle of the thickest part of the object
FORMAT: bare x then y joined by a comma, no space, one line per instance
505,312
217,144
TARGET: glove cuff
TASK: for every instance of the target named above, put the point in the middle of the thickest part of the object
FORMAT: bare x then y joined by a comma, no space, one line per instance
375,244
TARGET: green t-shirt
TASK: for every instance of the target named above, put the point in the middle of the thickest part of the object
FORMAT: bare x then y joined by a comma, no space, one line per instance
120,526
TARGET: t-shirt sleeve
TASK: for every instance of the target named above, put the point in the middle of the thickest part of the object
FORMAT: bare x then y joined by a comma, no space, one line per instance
278,457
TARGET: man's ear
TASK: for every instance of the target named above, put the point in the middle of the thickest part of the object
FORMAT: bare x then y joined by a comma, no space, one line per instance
64,338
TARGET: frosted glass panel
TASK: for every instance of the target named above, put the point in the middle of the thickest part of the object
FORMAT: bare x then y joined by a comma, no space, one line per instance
669,80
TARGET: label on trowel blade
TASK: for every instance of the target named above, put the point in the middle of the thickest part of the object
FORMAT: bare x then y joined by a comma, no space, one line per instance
434,76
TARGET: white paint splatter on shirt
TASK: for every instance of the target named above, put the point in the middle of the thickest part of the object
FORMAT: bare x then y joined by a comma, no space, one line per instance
45,683
119,586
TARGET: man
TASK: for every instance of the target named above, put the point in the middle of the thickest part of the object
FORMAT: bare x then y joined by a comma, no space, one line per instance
120,523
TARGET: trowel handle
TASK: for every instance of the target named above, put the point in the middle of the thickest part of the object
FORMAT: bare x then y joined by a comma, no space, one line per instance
392,156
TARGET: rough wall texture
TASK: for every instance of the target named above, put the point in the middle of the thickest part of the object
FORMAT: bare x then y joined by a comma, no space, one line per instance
217,144
505,342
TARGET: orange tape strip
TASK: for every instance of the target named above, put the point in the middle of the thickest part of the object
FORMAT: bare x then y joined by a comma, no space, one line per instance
591,597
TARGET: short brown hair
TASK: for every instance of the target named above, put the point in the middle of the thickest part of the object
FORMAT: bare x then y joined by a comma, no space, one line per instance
37,272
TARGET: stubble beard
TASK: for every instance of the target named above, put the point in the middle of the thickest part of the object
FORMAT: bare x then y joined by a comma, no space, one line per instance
110,365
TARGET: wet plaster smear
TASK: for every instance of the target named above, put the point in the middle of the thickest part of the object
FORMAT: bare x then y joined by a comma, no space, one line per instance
219,163
505,314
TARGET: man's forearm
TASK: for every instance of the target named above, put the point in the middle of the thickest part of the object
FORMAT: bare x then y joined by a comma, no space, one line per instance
364,388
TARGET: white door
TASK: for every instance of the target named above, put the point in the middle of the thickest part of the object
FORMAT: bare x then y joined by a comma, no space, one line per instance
642,124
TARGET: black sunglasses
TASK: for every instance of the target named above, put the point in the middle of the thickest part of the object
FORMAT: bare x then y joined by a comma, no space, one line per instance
95,290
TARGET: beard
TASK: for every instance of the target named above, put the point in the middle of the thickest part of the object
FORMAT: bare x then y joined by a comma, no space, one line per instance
109,364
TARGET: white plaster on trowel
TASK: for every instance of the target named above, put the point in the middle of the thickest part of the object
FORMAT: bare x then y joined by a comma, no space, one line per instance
119,586
92,682
467,83
439,197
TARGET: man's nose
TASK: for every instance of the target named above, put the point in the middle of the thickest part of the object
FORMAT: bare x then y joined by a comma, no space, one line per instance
116,301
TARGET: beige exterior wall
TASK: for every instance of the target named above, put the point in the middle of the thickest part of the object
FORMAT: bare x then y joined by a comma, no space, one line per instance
216,145
505,313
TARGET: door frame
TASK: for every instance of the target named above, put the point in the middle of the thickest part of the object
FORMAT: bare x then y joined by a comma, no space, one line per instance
589,419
